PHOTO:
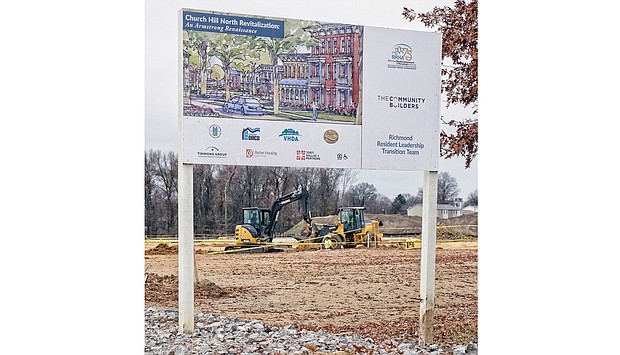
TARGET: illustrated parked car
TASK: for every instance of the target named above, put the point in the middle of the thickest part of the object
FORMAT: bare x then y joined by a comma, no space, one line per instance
246,105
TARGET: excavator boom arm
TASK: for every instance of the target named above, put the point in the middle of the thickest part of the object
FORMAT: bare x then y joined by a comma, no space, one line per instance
301,194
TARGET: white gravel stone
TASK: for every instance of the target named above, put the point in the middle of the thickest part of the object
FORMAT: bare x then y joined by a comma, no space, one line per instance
221,335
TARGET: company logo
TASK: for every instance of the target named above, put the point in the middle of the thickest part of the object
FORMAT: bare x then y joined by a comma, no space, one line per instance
290,135
342,156
250,134
212,152
402,102
215,131
401,57
307,155
330,136
253,153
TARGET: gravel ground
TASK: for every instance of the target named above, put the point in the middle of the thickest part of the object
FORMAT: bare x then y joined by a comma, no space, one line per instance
221,335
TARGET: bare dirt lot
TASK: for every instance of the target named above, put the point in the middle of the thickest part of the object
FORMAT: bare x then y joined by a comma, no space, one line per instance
370,292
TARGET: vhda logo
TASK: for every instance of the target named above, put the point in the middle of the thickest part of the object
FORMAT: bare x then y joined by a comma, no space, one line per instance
250,134
290,135
402,57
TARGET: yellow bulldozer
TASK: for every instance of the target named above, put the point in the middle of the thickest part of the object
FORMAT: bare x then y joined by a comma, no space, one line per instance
350,230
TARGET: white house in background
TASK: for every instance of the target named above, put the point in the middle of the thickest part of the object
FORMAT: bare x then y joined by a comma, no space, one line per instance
470,209
444,211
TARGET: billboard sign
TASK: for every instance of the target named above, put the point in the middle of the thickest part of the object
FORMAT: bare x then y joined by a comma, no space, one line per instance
286,92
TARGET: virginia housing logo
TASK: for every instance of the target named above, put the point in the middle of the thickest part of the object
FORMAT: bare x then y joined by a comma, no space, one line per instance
250,134
401,57
212,152
290,135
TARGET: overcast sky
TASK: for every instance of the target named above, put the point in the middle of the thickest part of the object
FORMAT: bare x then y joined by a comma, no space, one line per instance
161,33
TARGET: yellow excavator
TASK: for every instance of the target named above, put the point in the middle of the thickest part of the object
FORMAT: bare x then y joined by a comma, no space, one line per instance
256,232
259,224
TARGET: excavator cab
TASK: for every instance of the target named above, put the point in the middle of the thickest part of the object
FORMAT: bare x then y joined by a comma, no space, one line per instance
256,217
352,218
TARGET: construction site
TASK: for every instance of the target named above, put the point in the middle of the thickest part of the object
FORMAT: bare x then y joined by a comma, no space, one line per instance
358,276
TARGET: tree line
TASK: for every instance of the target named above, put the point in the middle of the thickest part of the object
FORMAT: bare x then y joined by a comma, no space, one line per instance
221,192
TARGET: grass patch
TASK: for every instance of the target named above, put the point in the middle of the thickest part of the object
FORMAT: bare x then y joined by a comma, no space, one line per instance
322,115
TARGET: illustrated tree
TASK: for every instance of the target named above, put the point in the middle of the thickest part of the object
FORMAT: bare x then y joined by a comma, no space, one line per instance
217,73
243,69
229,49
256,57
295,35
198,45
459,28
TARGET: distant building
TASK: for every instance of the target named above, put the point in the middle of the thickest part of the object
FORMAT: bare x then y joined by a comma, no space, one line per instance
470,209
444,211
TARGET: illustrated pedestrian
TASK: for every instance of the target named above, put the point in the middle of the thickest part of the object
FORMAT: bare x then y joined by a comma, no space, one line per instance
314,110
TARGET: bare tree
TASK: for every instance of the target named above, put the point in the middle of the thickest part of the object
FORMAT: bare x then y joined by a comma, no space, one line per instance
381,204
472,199
204,191
361,194
348,177
447,188
150,190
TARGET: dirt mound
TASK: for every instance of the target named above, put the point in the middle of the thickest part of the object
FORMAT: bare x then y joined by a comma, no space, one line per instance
462,227
301,229
210,289
466,219
396,224
162,249
163,289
